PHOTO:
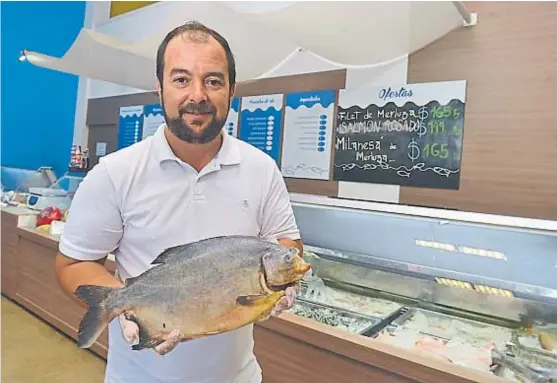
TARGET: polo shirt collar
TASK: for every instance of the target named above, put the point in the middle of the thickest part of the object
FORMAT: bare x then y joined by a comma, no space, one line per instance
229,153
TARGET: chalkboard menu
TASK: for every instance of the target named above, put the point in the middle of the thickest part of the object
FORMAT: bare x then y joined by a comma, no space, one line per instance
408,135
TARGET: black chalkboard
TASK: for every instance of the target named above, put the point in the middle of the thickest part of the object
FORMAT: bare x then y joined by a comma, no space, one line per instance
413,145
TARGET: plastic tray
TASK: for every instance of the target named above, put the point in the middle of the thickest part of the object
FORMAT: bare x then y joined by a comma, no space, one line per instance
533,350
366,322
346,307
539,362
404,319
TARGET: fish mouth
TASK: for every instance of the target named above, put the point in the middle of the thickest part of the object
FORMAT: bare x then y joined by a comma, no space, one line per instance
283,287
297,277
302,268
298,274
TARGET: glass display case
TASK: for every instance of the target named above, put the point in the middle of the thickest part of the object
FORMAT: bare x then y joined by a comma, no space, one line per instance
69,183
478,296
38,190
16,183
20,180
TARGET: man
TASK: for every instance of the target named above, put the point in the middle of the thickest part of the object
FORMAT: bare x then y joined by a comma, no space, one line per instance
187,182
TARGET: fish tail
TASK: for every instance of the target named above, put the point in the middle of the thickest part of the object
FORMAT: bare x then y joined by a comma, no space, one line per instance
97,316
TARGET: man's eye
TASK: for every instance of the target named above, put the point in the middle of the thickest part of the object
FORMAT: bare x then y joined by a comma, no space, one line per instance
181,80
214,82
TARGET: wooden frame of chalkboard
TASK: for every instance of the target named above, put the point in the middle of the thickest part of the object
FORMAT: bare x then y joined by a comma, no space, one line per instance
409,135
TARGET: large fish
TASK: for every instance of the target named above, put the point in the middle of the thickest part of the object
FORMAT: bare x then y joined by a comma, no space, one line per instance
203,288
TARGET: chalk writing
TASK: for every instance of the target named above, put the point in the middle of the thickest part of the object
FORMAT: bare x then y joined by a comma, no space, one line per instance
409,145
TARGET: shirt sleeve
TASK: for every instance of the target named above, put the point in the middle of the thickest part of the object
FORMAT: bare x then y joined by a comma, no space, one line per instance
278,219
94,224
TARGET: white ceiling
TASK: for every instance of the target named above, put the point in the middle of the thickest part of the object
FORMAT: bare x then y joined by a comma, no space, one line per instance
261,35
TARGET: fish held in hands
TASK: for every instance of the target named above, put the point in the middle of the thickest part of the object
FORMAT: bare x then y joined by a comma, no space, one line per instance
200,289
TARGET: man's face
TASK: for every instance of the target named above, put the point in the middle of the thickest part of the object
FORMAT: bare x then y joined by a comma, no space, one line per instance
195,93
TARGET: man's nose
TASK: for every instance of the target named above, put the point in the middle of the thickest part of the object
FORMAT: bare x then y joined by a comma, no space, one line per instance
198,92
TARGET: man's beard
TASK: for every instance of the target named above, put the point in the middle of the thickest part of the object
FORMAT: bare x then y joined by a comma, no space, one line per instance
183,131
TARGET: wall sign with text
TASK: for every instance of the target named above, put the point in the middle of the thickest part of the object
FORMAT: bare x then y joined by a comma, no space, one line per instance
153,118
130,125
261,123
308,122
231,124
408,135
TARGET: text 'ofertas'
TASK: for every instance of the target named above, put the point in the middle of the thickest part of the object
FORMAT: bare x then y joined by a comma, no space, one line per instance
387,93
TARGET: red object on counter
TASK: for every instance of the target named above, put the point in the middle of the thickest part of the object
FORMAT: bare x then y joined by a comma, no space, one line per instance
48,215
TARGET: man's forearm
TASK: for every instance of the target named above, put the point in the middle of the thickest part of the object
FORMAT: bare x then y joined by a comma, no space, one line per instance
72,274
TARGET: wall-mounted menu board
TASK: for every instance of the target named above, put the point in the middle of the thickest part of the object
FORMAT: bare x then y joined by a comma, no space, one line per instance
138,122
130,125
153,118
231,124
261,123
408,135
308,122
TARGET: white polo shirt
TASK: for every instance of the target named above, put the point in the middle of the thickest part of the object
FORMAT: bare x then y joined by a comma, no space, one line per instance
141,200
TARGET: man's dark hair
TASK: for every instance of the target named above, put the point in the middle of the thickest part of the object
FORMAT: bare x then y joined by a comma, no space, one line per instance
195,28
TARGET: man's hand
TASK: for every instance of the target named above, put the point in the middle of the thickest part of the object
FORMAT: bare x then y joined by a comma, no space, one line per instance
130,332
285,303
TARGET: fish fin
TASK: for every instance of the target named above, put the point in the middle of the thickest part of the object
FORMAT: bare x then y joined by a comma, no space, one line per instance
129,281
259,300
167,253
186,251
145,342
97,316
249,300
145,337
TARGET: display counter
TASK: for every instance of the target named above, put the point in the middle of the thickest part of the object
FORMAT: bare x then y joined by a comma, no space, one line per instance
361,317
28,275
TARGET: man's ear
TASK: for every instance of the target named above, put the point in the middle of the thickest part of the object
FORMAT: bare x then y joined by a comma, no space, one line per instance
159,90
232,91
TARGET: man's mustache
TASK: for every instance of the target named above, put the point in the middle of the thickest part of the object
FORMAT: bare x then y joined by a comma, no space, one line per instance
202,108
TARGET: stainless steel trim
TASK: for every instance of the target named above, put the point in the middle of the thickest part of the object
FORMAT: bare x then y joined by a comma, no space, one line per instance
415,287
418,271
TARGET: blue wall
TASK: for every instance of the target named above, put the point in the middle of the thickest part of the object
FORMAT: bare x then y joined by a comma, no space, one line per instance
38,105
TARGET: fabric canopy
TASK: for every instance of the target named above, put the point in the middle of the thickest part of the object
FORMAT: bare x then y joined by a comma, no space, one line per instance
262,35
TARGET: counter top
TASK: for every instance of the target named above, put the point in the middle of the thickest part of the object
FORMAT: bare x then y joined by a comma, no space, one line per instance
285,345
40,233
27,231
372,352
19,210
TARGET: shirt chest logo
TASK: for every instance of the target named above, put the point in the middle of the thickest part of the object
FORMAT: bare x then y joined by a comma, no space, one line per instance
245,204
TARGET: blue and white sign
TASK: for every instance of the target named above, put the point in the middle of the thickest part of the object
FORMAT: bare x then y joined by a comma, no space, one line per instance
261,122
152,119
231,124
130,125
308,124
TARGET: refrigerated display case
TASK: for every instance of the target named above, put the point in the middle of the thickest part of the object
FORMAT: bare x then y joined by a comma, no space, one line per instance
478,296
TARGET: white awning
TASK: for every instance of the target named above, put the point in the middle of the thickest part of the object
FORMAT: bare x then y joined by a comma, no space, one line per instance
262,35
